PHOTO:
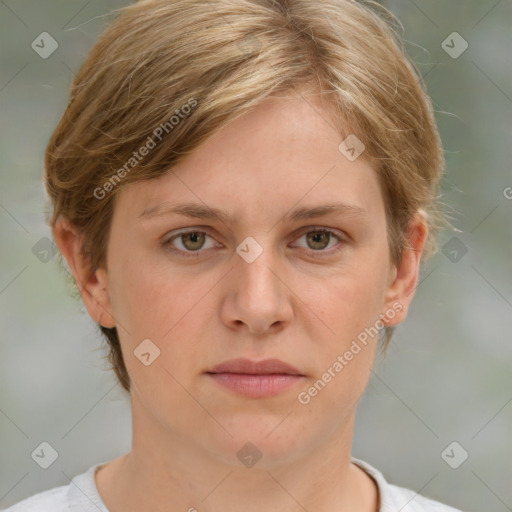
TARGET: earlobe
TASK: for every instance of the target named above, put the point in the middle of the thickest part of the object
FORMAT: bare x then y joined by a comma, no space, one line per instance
93,285
404,277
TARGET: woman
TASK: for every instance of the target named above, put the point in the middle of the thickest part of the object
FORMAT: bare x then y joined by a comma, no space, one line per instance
244,192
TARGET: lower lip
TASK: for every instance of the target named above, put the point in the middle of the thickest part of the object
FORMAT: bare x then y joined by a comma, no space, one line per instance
256,386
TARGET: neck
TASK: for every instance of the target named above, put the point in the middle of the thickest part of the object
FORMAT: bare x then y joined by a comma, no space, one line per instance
166,473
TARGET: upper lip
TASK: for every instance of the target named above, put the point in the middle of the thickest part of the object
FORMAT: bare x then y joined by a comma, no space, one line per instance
247,366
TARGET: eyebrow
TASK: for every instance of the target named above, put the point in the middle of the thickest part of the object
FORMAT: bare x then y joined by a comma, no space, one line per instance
200,211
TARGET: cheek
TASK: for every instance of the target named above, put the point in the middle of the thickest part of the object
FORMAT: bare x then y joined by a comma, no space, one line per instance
344,355
168,309
148,298
349,305
165,308
350,301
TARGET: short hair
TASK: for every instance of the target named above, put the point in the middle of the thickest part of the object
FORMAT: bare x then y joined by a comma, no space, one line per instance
181,70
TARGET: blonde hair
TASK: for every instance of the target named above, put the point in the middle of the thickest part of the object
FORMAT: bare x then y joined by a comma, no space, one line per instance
221,59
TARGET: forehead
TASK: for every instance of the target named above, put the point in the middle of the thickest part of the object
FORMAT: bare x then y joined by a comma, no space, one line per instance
282,154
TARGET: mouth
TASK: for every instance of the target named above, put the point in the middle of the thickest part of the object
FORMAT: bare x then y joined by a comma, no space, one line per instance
256,379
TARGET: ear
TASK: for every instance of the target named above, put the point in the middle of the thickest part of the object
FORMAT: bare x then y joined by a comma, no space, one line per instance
404,277
93,286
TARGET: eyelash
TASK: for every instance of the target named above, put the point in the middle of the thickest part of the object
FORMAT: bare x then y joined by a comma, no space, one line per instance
311,229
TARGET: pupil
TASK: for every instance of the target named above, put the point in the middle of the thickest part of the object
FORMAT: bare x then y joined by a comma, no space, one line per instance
317,238
193,238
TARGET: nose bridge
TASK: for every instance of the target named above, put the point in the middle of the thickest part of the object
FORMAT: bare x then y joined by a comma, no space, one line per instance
258,265
260,298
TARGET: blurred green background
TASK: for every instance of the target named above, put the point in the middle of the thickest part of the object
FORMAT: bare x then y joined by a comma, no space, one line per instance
448,374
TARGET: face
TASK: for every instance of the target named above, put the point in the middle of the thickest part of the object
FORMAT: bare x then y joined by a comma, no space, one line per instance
264,281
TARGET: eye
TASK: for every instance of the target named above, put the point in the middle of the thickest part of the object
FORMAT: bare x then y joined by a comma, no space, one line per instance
319,239
189,242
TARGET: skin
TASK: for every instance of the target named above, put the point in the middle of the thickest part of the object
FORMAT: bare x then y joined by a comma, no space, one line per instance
298,301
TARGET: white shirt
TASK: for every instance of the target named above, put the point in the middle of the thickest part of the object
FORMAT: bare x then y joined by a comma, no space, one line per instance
82,495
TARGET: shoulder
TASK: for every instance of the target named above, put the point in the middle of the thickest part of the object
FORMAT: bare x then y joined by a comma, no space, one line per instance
406,500
81,495
394,498
53,500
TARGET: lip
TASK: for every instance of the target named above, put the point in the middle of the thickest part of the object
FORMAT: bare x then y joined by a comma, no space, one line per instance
256,379
249,367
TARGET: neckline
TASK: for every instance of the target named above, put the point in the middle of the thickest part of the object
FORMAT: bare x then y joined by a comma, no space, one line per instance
83,494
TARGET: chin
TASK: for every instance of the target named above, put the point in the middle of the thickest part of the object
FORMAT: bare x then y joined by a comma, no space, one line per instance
257,443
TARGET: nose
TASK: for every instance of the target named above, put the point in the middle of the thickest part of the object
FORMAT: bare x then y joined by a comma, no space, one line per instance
258,300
